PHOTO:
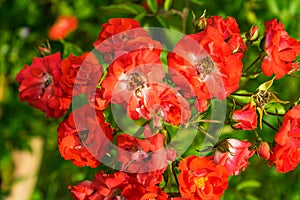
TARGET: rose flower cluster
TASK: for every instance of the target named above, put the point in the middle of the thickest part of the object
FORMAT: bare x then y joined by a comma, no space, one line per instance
126,74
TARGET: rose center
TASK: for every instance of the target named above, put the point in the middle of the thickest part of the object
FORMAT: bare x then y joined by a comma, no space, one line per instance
204,68
136,82
262,98
200,182
48,81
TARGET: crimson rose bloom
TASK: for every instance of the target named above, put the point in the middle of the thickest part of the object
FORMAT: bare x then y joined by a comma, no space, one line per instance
128,75
82,191
281,50
39,86
134,80
201,178
246,118
116,186
235,157
286,153
230,33
208,64
160,102
81,139
62,27
146,159
86,80
121,35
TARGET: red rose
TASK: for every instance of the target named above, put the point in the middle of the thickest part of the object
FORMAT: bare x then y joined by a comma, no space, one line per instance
230,32
115,26
160,102
286,153
146,159
128,75
82,191
96,100
62,27
207,64
121,35
39,86
83,138
120,186
235,157
246,118
201,178
281,50
86,80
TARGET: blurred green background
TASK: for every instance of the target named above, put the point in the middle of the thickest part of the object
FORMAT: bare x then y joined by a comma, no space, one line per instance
23,28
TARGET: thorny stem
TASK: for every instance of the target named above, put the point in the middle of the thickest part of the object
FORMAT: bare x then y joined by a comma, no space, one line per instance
255,61
183,15
174,164
206,134
242,95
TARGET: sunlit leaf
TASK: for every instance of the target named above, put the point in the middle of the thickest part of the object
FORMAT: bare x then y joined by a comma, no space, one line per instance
168,4
125,8
152,5
248,184
70,48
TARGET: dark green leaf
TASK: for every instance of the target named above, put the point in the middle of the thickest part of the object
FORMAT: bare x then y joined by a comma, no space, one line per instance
125,8
70,48
162,21
152,5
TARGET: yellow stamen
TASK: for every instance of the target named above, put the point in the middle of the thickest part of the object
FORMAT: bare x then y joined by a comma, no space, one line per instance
200,182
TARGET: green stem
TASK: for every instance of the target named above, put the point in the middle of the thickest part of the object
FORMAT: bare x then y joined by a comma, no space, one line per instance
206,134
255,61
270,125
174,164
184,16
242,95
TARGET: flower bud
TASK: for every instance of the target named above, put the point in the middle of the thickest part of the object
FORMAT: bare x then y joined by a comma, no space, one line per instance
253,34
246,118
199,24
44,51
264,150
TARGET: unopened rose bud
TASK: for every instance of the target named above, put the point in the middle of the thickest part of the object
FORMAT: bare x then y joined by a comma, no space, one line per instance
199,24
264,150
246,118
252,35
44,51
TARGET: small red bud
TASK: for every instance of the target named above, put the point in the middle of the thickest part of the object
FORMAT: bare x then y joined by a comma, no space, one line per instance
253,34
200,24
264,150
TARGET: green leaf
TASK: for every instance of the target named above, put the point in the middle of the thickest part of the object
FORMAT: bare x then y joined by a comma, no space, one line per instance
248,184
251,197
168,4
162,21
139,17
200,3
273,6
152,5
70,48
183,139
266,85
129,8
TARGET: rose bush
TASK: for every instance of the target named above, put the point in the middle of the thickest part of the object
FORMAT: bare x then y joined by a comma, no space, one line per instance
163,94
